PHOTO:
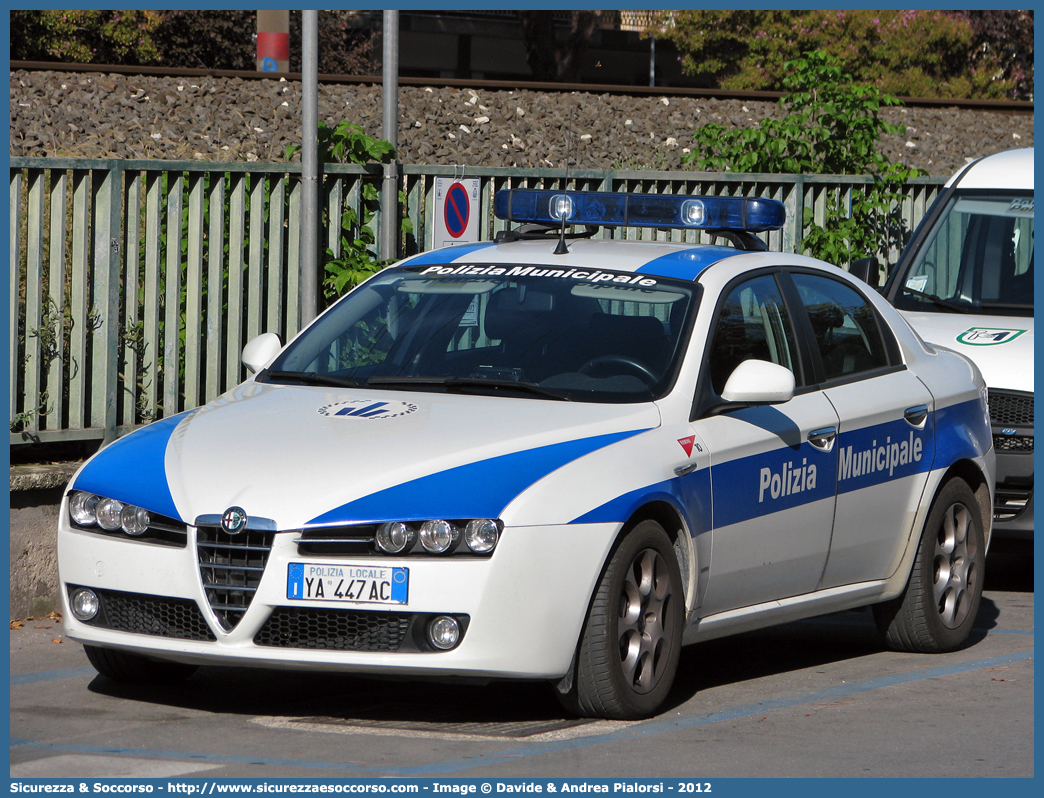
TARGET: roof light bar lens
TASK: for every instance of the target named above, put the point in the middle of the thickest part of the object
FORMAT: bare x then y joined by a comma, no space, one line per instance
754,214
561,208
693,212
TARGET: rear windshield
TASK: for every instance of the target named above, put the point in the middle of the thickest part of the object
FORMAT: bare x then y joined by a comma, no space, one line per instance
978,258
594,335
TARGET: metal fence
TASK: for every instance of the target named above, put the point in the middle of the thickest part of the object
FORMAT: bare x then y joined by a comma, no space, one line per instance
135,284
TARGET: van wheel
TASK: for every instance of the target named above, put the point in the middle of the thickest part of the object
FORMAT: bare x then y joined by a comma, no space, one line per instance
938,607
119,666
629,648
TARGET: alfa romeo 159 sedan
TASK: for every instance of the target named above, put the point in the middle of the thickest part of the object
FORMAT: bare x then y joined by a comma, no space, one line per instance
548,457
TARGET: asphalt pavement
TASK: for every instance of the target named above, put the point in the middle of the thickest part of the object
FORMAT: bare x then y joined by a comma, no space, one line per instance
819,698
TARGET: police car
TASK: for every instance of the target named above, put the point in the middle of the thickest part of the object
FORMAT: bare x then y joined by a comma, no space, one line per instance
549,457
966,281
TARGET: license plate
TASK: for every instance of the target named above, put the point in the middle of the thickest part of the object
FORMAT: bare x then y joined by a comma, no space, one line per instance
366,584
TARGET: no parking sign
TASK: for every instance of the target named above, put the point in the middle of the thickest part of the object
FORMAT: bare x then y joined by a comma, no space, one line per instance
456,211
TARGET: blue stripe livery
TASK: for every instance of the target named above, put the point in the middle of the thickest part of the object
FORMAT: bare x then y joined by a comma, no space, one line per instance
791,476
131,469
771,482
879,454
690,495
475,490
687,264
962,431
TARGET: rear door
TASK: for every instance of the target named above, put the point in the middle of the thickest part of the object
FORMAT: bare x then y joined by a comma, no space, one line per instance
886,435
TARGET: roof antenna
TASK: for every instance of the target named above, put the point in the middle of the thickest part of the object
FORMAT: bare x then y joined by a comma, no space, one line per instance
562,249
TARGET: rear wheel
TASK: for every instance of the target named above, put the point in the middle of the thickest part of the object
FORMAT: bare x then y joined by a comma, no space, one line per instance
938,608
629,648
121,666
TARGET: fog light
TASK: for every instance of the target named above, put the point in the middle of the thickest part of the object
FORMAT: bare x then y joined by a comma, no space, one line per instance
85,604
110,514
481,535
443,632
394,537
134,520
82,506
438,537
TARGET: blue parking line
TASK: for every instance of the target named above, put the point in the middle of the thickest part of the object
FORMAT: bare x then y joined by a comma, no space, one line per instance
50,676
636,731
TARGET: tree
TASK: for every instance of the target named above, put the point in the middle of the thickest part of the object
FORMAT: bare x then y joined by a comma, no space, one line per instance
1002,48
549,59
85,37
979,54
208,39
832,126
347,43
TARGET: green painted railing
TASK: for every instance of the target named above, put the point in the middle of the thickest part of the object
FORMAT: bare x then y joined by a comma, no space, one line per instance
135,284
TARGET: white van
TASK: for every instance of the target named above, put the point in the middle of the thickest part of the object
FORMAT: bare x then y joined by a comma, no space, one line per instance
965,281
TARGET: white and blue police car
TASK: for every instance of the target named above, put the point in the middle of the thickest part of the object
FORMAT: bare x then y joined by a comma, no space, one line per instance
549,457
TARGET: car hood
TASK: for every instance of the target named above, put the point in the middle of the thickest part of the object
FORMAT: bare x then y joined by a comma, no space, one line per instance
308,456
1001,346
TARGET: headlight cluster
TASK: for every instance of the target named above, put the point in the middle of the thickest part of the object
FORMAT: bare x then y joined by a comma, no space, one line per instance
88,509
479,535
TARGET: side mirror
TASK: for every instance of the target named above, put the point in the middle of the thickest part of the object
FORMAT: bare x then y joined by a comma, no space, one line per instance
260,351
868,270
758,382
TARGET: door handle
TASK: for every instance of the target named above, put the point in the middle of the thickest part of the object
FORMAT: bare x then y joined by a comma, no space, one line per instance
681,471
823,439
916,416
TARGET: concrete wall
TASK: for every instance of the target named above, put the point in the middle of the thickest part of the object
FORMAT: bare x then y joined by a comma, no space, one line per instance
36,494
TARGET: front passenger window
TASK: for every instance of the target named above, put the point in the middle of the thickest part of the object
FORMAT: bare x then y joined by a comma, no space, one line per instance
752,325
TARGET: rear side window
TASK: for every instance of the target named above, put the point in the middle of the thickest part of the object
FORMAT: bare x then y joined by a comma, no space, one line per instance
844,325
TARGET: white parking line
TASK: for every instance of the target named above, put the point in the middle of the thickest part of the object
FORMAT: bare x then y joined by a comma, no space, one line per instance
106,767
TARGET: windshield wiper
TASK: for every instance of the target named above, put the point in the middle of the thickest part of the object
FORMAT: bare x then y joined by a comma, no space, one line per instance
467,382
310,378
937,300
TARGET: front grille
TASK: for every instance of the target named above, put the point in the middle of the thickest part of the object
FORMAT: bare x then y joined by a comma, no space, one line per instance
150,615
337,541
1013,443
1010,501
334,630
231,567
1011,409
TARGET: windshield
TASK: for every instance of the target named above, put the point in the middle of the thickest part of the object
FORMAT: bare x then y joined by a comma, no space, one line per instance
595,335
977,259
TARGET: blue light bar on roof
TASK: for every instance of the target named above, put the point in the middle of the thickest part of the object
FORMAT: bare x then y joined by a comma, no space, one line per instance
753,214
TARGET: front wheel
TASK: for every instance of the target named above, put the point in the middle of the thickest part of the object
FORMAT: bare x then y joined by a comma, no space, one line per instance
631,641
938,608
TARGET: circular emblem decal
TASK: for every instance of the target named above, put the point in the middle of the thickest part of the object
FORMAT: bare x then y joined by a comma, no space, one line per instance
370,409
234,520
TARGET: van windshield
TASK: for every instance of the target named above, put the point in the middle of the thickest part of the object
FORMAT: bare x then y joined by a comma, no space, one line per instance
515,330
977,259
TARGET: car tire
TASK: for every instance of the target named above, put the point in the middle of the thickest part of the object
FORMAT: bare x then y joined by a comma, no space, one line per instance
631,641
937,609
119,666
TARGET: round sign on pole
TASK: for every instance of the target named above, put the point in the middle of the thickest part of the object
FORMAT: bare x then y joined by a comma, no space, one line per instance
457,210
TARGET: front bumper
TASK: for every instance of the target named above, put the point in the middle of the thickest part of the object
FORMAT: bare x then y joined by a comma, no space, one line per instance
524,607
1013,504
